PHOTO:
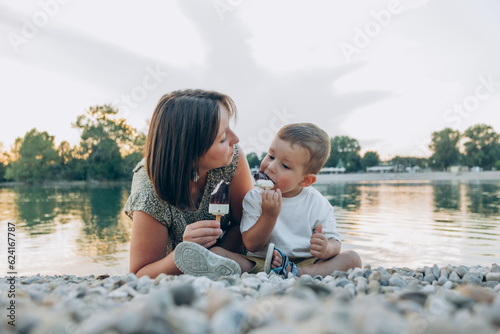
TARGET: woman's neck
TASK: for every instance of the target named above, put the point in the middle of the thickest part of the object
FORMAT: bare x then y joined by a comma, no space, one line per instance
198,187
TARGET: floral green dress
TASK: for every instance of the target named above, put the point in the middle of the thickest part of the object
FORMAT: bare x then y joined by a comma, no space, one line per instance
143,198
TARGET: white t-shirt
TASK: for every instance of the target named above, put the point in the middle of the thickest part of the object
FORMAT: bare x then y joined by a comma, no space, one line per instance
297,221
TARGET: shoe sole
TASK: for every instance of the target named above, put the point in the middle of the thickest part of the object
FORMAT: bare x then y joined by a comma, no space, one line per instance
269,258
196,260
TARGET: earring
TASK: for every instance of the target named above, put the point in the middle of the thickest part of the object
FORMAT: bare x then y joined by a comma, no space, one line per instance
195,176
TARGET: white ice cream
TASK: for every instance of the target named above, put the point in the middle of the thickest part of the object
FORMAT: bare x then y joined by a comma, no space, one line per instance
265,184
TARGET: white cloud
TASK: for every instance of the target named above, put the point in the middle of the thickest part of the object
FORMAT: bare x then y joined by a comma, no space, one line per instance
151,29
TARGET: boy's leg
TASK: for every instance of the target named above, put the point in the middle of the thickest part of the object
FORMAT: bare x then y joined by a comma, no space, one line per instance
245,264
343,261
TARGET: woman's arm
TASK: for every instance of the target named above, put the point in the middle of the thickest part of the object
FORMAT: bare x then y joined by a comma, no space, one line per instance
240,185
148,246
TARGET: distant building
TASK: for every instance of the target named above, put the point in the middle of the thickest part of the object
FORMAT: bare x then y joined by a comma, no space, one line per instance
414,169
380,169
332,170
457,169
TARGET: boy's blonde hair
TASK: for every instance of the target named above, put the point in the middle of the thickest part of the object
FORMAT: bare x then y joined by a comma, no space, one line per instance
312,138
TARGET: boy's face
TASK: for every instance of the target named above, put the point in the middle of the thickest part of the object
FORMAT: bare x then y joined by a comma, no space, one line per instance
284,164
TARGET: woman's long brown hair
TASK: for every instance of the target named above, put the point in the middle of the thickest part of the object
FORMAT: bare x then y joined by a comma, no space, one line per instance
183,127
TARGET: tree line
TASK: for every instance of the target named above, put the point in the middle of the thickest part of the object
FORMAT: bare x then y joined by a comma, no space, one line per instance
479,145
109,148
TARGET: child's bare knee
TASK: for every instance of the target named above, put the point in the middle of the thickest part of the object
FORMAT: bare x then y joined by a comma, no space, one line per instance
353,258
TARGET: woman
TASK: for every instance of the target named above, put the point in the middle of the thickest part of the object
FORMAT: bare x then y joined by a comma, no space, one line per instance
189,149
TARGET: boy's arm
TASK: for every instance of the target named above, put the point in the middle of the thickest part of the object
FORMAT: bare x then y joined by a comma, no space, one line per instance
325,245
257,236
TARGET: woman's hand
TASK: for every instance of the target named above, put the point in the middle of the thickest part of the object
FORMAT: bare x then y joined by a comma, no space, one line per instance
203,232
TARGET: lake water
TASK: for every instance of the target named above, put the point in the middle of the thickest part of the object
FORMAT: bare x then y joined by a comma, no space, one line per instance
82,230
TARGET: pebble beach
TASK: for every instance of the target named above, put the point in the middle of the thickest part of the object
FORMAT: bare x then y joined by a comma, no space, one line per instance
451,299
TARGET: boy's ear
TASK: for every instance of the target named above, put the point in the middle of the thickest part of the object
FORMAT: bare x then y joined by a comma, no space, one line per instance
308,180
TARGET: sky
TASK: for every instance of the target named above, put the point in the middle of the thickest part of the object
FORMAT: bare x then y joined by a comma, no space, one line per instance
387,73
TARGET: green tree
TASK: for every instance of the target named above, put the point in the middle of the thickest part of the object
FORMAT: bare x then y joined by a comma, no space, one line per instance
134,155
370,159
36,155
64,152
253,160
482,147
3,163
70,166
103,137
444,144
101,122
347,149
105,161
3,168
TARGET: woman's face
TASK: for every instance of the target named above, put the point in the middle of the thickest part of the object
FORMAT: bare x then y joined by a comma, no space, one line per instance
221,152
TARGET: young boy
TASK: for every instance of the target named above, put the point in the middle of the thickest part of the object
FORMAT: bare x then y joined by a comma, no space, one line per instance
293,217
291,227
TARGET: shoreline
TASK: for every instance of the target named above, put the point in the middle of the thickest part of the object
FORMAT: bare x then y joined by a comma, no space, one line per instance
321,179
68,183
421,176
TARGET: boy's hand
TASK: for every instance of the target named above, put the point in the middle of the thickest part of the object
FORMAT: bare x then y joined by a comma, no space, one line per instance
271,203
319,244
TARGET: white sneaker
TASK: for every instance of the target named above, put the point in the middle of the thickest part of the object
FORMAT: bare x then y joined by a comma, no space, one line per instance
196,260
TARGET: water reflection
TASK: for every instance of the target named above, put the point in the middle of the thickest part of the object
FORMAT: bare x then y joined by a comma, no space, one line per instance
342,194
484,197
36,209
446,195
416,223
104,226
390,223
96,212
